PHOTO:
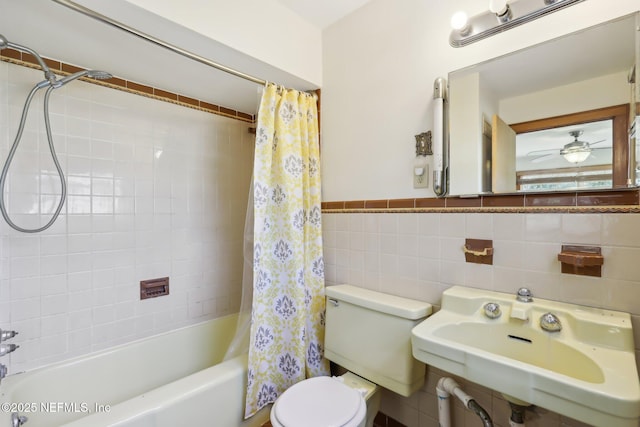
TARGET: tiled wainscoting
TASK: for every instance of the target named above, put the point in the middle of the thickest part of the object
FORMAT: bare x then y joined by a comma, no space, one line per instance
419,255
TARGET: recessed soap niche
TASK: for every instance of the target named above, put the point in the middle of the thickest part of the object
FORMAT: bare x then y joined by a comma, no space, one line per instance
154,288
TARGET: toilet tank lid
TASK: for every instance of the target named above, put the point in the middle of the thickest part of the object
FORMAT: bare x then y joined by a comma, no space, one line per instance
385,303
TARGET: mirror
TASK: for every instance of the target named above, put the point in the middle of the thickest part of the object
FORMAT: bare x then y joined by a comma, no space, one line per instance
563,99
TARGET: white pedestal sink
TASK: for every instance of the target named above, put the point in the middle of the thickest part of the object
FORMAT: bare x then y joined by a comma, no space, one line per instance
586,371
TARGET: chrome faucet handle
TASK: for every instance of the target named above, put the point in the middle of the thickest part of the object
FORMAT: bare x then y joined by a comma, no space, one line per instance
7,335
3,371
492,310
550,322
524,295
7,348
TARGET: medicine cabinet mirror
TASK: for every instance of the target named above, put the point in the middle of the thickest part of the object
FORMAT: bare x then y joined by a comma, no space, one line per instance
556,116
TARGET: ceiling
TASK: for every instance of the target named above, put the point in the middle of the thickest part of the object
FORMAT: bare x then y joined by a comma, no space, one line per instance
57,32
325,12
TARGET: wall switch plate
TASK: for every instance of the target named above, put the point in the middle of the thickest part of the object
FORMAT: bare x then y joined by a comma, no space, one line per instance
422,180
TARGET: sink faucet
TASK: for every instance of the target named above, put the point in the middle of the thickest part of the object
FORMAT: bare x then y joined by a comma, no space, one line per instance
524,295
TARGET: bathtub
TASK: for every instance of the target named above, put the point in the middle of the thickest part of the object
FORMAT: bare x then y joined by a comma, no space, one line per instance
173,379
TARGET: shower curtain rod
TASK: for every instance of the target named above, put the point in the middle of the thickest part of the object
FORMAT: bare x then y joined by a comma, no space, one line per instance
95,15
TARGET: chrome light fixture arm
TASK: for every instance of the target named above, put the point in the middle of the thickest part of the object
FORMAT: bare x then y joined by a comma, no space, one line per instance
517,12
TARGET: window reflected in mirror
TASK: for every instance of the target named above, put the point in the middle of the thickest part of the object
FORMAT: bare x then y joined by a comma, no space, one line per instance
565,158
584,150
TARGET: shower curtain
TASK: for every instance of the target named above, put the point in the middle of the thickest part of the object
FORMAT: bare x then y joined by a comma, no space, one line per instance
287,316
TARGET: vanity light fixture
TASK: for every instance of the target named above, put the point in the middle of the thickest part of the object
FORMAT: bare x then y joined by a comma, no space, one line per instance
501,16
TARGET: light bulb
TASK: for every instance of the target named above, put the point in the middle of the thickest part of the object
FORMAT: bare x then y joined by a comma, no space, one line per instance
459,21
577,156
499,7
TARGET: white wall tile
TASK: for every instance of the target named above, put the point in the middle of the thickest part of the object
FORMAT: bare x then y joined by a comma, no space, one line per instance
452,225
621,230
479,226
542,257
478,276
408,244
584,290
508,253
621,263
28,287
429,247
526,249
356,223
582,229
429,224
388,224
507,280
357,241
543,227
452,273
124,210
389,243
408,223
451,248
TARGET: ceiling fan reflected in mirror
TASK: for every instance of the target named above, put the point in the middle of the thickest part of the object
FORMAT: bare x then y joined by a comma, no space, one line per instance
574,152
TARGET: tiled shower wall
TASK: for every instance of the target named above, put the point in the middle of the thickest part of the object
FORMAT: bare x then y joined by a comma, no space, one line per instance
154,190
419,255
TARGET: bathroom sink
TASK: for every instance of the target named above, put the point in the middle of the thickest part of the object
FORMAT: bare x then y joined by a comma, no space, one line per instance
585,371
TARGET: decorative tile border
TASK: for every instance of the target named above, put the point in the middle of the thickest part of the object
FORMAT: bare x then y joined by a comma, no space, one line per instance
27,60
604,201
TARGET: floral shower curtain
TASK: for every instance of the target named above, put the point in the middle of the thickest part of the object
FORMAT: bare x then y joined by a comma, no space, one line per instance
287,325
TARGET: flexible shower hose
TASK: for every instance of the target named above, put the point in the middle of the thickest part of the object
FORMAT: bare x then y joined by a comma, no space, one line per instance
52,149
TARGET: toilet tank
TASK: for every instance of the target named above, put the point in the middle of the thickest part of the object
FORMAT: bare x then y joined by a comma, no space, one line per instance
369,333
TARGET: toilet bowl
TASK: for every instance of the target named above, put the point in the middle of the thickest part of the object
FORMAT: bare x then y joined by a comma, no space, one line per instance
345,401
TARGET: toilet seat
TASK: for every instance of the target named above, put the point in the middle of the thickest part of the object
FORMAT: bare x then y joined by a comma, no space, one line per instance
319,402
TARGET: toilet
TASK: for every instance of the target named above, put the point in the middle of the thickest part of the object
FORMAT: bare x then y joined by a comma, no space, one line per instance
367,333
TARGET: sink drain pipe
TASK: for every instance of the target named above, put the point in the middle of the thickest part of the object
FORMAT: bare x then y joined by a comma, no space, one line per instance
444,389
517,415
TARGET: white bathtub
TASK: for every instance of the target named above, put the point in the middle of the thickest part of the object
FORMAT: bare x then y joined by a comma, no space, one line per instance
172,379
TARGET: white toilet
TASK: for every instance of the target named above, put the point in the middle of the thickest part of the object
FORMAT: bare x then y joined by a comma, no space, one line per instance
369,334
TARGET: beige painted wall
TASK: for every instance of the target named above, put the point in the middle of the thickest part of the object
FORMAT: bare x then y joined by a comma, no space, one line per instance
379,65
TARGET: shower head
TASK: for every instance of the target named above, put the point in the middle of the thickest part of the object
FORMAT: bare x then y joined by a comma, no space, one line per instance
4,43
99,75
94,74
